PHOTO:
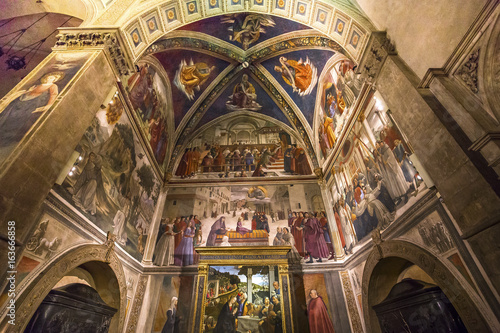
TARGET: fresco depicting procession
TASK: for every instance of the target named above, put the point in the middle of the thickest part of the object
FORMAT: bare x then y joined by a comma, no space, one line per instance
244,216
243,147
111,181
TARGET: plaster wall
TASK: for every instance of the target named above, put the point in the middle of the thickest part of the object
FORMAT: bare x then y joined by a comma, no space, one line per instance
426,35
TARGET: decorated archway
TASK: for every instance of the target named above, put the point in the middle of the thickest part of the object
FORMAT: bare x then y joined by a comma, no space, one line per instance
383,267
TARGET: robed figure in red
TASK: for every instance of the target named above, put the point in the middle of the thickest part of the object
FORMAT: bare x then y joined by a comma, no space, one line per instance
319,320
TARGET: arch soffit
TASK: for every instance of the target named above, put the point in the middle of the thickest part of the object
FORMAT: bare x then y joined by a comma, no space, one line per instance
47,277
322,16
430,264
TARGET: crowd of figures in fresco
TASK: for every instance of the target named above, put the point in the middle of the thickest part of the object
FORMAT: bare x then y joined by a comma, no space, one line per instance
244,161
241,299
148,98
307,234
371,183
340,90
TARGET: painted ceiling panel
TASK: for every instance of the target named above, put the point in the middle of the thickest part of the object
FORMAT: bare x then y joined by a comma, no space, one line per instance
245,30
298,72
233,99
190,73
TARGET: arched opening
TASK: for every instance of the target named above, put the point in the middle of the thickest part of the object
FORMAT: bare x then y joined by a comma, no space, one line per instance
95,267
393,261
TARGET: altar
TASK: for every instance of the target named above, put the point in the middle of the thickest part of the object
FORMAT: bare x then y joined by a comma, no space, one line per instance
254,238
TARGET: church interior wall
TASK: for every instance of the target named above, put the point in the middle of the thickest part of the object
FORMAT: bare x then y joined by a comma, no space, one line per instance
440,28
402,192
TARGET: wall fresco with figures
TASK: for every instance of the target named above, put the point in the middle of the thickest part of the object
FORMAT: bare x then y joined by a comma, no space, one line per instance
244,216
22,107
375,177
148,95
339,88
241,147
111,181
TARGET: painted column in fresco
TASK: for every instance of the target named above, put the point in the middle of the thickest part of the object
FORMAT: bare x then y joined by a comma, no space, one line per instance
154,226
327,200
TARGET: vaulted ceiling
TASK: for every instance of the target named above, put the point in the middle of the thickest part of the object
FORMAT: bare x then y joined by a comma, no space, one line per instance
284,62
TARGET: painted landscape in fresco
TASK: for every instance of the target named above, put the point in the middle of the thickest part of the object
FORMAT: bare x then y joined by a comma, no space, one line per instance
243,147
243,299
244,216
375,177
23,107
148,96
340,89
112,183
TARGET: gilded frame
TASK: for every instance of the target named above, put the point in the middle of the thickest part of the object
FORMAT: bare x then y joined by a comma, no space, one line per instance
245,256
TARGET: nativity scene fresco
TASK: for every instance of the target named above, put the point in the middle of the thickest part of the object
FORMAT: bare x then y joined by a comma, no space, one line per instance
243,147
374,178
284,215
111,181
243,299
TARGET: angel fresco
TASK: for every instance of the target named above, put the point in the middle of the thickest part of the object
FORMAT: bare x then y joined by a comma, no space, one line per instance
246,28
189,78
243,97
301,75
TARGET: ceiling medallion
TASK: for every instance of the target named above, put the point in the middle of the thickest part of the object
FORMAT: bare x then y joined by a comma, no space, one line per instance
170,14
213,3
281,3
340,27
302,9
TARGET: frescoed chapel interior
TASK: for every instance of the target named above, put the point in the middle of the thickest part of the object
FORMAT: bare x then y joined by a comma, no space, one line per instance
251,166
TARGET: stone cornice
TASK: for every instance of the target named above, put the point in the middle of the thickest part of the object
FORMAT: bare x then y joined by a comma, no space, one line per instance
107,39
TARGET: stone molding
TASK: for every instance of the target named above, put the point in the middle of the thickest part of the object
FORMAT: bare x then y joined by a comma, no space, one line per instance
463,303
31,297
108,39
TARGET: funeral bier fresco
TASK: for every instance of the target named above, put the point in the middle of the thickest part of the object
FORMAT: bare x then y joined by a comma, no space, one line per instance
283,215
112,182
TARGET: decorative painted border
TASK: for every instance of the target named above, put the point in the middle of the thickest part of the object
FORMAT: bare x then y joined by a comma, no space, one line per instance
151,23
356,325
319,15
